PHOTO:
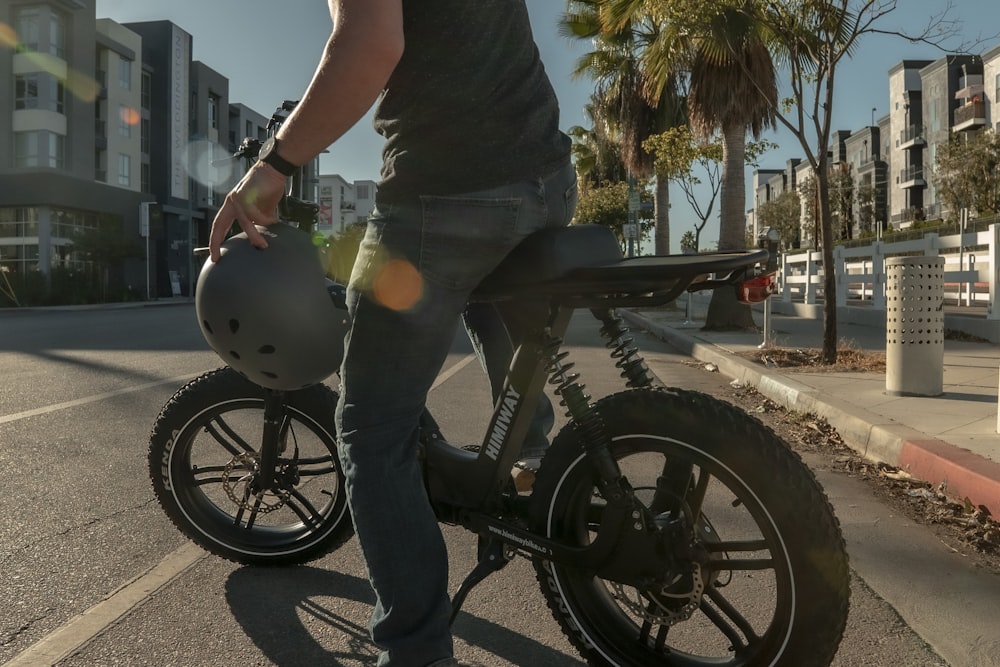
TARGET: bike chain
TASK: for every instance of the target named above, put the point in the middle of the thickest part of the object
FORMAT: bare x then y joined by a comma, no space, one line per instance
250,462
652,611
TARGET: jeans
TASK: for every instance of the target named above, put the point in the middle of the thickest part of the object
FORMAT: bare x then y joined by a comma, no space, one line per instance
415,269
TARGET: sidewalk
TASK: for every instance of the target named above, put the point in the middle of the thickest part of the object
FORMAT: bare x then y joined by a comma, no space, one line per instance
950,438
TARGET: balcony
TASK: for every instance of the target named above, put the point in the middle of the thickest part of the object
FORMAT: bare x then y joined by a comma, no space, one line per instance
101,134
912,136
970,116
912,177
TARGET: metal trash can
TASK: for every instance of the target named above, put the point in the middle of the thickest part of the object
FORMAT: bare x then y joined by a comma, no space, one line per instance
914,327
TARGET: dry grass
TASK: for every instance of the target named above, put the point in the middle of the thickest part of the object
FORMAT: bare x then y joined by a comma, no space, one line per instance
850,358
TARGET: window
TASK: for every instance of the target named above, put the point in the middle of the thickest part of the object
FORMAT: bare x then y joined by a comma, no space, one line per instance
361,191
27,25
144,133
147,87
213,111
57,150
39,148
26,91
124,170
39,91
125,73
57,95
57,35
124,115
145,177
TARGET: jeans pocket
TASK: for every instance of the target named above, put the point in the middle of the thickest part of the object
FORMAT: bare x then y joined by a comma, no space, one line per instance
464,238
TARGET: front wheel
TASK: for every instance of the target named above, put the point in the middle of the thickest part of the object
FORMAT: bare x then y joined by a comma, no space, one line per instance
761,578
204,459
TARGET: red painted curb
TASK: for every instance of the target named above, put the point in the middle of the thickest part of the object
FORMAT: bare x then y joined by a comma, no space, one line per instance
965,474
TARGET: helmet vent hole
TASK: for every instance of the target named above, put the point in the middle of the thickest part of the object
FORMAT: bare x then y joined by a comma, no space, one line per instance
234,325
234,354
208,327
268,374
266,349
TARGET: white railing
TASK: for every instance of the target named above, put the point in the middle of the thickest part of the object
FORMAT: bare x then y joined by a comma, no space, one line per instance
972,270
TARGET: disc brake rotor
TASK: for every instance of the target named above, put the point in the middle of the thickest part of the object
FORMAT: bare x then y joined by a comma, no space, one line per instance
666,606
242,490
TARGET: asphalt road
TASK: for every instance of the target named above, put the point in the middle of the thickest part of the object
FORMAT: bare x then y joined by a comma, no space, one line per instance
94,574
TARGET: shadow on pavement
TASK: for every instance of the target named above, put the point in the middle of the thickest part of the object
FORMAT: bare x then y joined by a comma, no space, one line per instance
272,606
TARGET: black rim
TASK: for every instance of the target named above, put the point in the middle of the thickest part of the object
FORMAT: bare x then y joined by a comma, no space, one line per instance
212,473
748,602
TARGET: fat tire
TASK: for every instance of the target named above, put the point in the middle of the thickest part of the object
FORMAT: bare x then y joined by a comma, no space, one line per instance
685,422
207,521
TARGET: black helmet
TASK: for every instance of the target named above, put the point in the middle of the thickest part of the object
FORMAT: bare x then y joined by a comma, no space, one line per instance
268,313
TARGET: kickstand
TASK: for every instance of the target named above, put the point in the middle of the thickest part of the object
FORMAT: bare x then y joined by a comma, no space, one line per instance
491,559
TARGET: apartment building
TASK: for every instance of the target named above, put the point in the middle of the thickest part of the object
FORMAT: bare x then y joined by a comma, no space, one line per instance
107,121
891,162
343,203
69,134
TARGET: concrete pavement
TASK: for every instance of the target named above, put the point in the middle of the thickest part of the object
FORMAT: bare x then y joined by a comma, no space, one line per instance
950,439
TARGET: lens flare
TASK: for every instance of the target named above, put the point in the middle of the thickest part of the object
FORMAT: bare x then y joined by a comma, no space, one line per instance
209,164
398,285
130,116
8,37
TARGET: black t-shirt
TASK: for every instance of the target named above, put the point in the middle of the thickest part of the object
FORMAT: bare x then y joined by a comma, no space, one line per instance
469,106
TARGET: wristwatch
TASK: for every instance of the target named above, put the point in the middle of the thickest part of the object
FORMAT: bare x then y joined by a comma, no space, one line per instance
269,155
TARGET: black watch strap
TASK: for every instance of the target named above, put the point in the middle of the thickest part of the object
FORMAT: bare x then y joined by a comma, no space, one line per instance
269,155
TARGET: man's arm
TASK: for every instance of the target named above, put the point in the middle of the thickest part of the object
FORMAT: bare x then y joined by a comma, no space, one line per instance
364,47
363,50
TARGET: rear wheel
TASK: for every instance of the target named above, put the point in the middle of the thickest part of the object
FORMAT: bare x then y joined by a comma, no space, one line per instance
204,465
768,581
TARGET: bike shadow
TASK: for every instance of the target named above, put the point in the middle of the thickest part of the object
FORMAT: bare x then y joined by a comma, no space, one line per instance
285,612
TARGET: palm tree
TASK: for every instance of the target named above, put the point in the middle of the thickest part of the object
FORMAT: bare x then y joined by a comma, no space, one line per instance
732,89
596,157
620,108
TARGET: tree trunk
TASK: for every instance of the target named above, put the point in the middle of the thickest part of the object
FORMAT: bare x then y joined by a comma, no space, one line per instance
725,312
829,353
661,213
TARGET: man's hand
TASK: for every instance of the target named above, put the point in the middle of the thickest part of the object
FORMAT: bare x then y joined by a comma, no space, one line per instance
254,201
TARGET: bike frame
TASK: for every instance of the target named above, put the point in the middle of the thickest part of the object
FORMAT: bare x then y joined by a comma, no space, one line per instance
585,270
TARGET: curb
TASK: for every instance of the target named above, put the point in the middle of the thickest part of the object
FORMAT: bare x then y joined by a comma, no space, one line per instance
962,473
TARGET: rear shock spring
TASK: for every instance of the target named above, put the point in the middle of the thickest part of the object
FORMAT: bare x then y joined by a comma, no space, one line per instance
626,355
591,426
570,392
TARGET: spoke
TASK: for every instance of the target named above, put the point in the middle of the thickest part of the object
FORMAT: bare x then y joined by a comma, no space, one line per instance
235,445
327,463
724,627
660,642
309,515
735,546
203,475
716,596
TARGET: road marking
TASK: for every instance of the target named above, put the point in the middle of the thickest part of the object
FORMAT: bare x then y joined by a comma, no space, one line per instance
78,631
62,643
448,374
6,419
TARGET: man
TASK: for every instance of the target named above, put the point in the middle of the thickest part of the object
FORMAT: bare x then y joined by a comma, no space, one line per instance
473,163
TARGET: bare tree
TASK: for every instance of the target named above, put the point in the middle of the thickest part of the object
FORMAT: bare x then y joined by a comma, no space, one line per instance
811,39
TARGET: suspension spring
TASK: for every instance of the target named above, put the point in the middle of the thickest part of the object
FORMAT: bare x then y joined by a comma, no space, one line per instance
626,355
588,420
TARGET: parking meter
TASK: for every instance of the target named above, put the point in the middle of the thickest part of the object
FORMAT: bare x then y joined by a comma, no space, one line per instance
768,238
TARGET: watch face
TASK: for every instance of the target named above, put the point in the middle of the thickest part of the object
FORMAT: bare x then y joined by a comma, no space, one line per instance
269,155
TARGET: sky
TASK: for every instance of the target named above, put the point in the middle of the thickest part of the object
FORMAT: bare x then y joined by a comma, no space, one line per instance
269,50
